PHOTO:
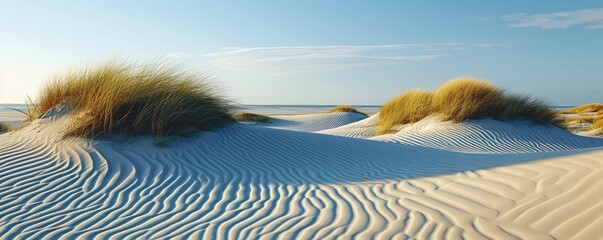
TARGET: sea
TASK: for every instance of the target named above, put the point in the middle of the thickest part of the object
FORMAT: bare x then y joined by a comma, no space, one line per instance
301,109
9,107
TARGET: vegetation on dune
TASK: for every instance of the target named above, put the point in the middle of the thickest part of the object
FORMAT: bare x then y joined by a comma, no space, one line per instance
409,107
251,117
345,108
524,106
122,97
598,124
586,108
583,118
4,127
591,113
460,99
465,98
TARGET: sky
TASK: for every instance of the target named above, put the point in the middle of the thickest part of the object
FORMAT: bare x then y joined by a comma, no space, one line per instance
316,52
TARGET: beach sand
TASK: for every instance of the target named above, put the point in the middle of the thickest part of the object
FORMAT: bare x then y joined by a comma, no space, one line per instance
317,176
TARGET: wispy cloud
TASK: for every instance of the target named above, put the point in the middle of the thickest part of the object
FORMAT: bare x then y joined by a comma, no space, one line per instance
290,59
482,19
586,19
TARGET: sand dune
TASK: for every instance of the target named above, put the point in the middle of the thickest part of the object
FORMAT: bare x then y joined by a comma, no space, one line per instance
312,122
364,128
478,136
486,135
247,182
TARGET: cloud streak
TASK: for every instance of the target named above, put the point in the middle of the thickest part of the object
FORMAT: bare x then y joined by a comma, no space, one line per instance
585,19
292,59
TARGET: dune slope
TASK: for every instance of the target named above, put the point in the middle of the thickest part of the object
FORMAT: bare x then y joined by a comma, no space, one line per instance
477,136
260,183
365,128
312,122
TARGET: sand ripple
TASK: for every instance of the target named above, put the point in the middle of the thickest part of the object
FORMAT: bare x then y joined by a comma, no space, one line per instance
313,122
246,182
475,136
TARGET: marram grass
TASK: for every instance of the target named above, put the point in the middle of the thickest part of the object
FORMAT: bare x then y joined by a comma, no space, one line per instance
136,99
409,107
460,99
589,113
586,108
251,117
5,128
345,108
583,118
598,124
465,98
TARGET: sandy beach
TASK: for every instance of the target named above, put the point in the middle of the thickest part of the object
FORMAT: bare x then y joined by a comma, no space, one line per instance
481,179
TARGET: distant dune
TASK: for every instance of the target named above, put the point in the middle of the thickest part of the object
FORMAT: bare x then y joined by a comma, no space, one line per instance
312,122
480,135
585,119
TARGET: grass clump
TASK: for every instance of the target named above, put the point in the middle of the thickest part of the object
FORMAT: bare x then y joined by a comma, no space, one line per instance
465,98
583,119
524,106
5,127
345,108
598,124
409,107
251,117
591,113
136,99
586,108
460,99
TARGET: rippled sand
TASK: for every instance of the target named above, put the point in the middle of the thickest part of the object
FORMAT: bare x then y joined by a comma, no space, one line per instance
478,180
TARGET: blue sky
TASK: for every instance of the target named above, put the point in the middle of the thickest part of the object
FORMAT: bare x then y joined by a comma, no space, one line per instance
317,52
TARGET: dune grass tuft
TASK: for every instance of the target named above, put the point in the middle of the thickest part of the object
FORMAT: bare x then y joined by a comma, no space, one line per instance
524,106
460,99
136,99
345,108
586,108
251,117
5,127
464,98
591,113
598,124
583,118
409,107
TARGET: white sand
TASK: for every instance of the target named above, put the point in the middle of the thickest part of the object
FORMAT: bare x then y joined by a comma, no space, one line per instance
478,136
249,182
364,128
311,122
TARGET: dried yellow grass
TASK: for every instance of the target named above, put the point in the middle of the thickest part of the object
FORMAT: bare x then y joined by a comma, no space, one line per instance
598,124
464,98
5,128
586,108
583,118
460,99
251,117
588,113
136,99
345,108
409,107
